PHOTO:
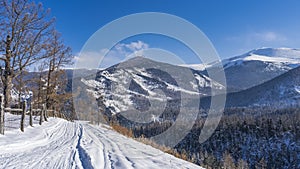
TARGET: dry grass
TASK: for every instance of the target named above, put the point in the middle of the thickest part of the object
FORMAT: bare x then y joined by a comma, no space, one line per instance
122,130
127,132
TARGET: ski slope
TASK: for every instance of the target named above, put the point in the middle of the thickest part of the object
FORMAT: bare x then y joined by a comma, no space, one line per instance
62,144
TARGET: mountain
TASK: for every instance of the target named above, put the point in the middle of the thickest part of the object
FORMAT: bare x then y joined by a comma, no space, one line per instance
255,67
140,83
280,92
282,57
258,66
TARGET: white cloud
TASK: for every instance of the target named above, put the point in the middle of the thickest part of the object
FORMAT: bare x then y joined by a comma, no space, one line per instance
131,48
89,59
136,46
121,51
268,36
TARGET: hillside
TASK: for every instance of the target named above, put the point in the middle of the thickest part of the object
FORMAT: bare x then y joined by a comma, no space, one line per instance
139,83
281,92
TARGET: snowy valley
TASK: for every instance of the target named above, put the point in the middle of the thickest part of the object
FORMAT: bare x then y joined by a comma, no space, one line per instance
154,93
266,94
189,85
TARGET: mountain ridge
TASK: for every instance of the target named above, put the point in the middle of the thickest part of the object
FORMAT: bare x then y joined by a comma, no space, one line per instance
280,92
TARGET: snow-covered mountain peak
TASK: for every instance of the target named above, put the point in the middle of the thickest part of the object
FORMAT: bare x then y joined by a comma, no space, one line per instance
269,55
277,52
286,56
137,59
139,82
279,56
259,65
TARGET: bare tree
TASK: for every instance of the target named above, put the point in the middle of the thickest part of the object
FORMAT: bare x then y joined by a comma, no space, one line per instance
25,27
58,56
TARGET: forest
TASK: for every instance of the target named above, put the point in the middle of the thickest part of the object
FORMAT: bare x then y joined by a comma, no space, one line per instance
259,137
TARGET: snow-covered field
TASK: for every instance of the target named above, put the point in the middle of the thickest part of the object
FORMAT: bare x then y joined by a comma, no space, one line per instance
62,144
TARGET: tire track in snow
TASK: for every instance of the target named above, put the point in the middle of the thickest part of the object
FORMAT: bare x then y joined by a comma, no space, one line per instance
60,139
83,155
99,151
114,154
123,152
79,145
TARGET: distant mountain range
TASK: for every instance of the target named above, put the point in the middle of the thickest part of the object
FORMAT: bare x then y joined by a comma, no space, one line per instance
262,77
280,92
255,67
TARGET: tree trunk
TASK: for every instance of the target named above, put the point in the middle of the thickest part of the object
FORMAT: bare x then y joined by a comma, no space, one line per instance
45,112
19,87
30,115
23,115
49,87
8,74
40,87
7,87
1,115
41,116
45,115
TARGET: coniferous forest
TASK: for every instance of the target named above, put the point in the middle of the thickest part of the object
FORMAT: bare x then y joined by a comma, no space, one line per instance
244,138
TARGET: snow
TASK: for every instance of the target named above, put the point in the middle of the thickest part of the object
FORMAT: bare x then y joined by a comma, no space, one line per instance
176,88
280,56
62,144
92,83
285,57
297,89
114,87
200,67
270,59
277,52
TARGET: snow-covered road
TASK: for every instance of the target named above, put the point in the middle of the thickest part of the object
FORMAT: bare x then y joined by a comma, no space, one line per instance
62,144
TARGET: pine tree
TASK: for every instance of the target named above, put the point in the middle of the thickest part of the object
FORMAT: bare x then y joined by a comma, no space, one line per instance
228,161
242,164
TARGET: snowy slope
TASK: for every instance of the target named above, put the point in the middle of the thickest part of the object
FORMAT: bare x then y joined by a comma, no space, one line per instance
200,67
281,92
62,144
132,84
283,58
259,66
255,67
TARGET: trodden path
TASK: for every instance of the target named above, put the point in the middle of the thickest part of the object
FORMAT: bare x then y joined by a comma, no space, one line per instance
62,144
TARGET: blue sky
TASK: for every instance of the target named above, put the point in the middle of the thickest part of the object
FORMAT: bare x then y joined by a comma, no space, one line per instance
233,26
